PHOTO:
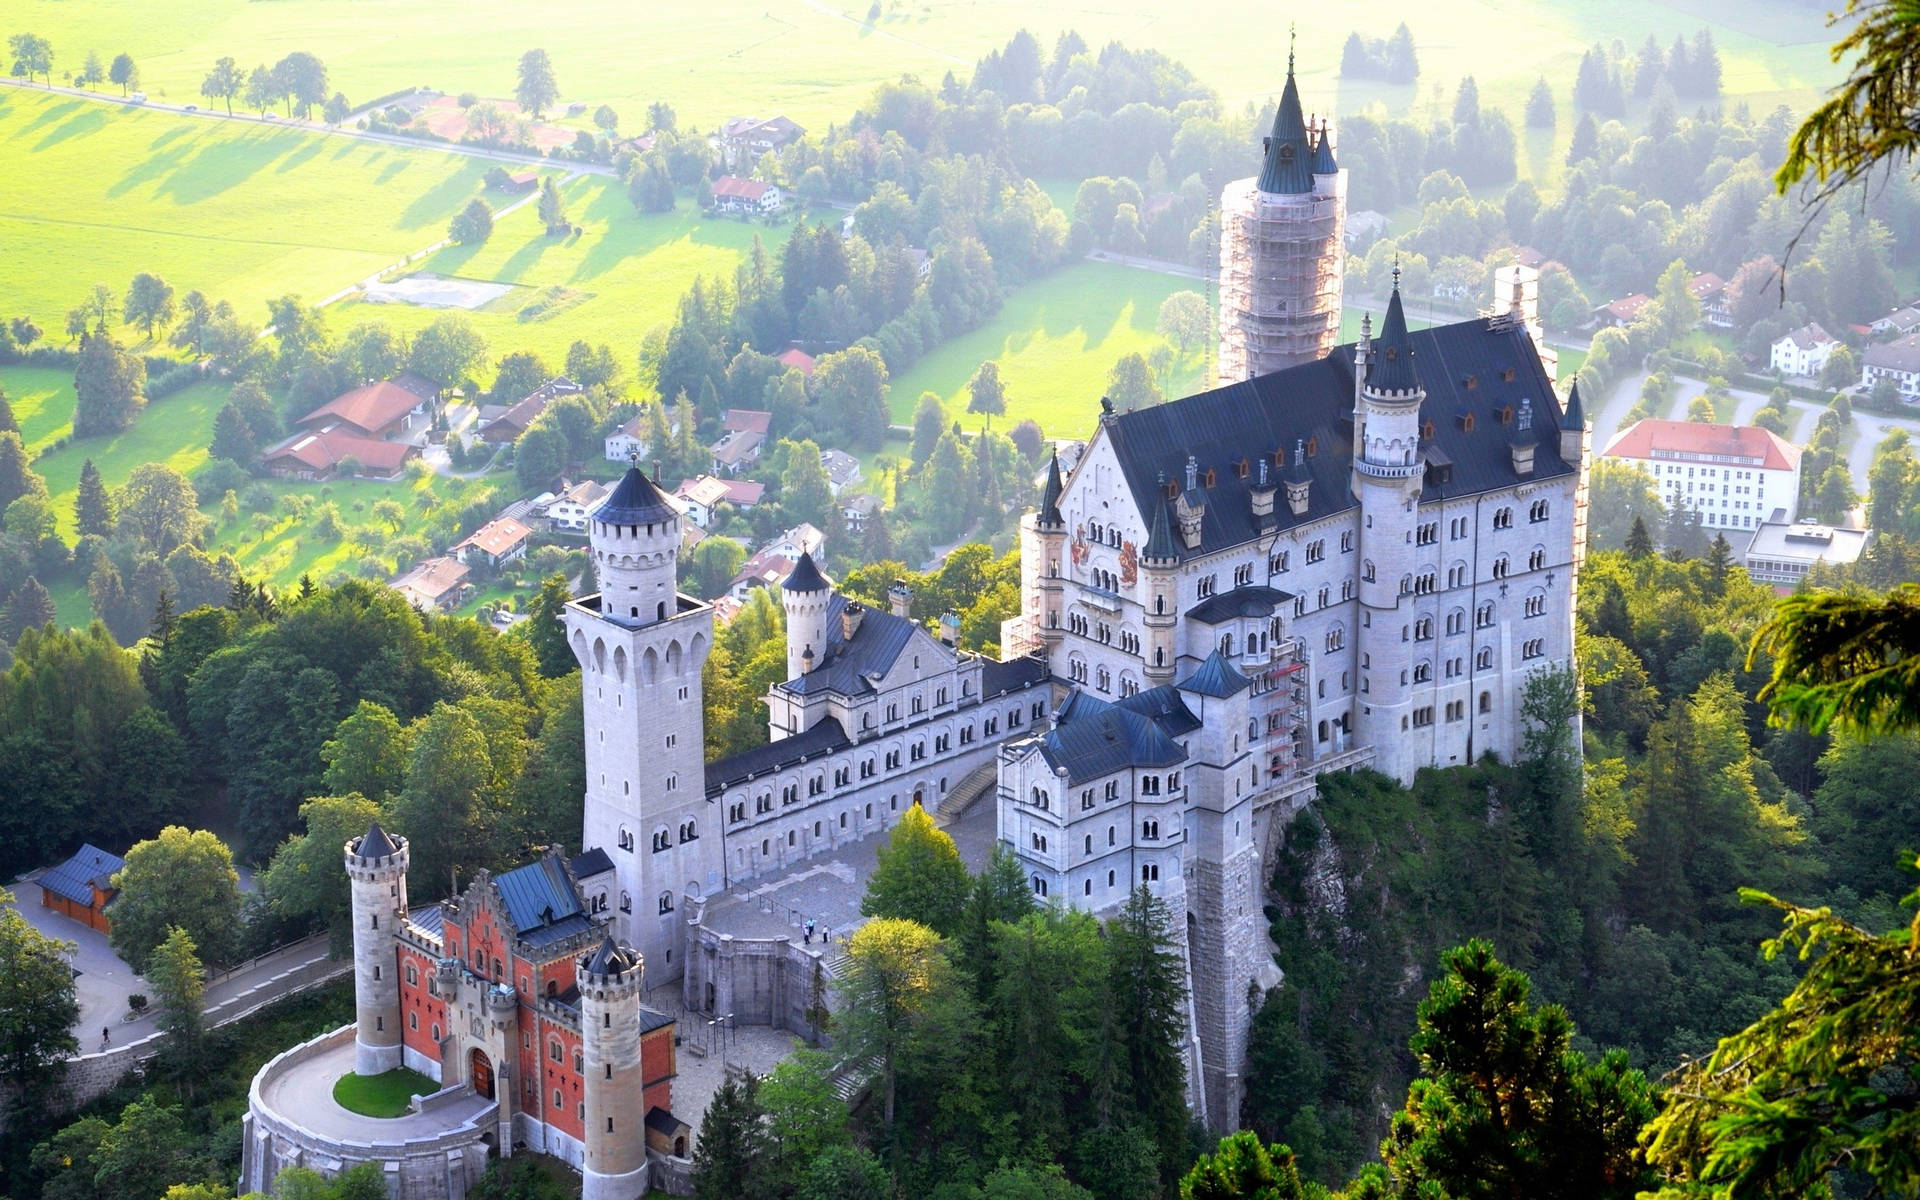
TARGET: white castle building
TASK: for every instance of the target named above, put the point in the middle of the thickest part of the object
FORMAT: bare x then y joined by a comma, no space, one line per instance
1358,559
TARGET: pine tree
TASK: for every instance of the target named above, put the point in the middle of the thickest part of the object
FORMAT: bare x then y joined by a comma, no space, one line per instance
17,476
1719,559
1148,996
545,630
92,506
553,207
1586,140
7,423
730,1158
232,439
1639,541
30,607
1540,113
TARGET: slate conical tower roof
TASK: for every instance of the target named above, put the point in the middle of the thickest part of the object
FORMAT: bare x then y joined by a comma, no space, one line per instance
1288,170
1160,538
1390,357
609,959
1575,416
1323,163
1050,497
806,576
376,843
636,501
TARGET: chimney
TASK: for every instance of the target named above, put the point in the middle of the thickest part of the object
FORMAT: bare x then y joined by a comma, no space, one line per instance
1193,473
1299,482
950,627
900,598
1262,494
850,616
1189,514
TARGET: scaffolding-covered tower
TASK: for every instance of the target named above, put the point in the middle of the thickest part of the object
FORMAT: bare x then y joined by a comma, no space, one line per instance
1283,250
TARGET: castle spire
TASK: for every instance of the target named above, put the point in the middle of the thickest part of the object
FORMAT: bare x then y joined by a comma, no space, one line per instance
1390,356
1288,170
1050,497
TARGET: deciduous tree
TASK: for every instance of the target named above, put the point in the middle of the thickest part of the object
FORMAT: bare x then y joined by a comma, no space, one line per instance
183,878
472,224
158,509
124,72
985,392
919,876
301,80
109,386
1133,384
179,982
1184,320
224,82
37,1006
32,55
304,882
537,89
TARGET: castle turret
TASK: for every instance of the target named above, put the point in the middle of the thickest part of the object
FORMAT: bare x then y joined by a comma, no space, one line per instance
636,551
614,1166
1043,543
1282,250
641,645
377,882
1388,468
1159,564
806,595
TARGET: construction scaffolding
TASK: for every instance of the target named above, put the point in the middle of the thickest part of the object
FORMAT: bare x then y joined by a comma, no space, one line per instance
1279,704
1282,265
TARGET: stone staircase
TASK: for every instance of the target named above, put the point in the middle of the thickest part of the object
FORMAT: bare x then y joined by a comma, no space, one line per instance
981,781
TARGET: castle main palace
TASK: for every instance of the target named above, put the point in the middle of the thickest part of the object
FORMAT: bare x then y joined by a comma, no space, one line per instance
1342,556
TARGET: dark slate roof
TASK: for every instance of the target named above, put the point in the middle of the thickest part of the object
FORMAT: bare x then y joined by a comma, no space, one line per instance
1575,416
1390,356
846,665
999,678
660,1120
590,863
1323,163
805,576
75,878
1216,677
1160,544
651,1020
431,918
825,737
1166,709
1288,170
1315,401
1091,738
376,843
1252,600
541,902
636,501
1050,497
610,958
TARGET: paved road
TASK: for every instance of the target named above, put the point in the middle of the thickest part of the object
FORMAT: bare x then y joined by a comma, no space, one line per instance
204,111
102,982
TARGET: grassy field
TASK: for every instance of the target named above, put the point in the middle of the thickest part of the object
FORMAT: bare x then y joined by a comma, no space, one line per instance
1055,341
241,211
622,275
815,59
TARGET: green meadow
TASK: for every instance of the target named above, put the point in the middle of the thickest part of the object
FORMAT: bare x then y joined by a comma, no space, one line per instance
1055,341
814,60
622,275
241,210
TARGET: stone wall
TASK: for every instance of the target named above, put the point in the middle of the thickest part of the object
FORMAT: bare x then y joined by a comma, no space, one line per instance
441,1167
761,981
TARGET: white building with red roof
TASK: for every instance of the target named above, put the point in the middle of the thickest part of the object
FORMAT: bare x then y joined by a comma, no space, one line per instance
734,194
499,541
1734,476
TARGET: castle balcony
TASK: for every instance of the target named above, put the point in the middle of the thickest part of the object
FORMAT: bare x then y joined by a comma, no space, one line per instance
1100,598
1388,470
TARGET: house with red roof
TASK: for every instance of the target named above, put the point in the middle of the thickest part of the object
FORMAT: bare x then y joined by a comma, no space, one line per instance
335,452
1737,477
734,194
796,359
743,431
434,584
375,410
1711,291
499,541
1621,311
1803,351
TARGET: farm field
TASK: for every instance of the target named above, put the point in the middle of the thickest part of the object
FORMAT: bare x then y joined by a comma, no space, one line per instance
622,275
1055,339
814,60
241,210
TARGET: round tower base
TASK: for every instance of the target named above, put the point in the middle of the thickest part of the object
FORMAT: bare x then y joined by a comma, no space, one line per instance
630,1186
375,1060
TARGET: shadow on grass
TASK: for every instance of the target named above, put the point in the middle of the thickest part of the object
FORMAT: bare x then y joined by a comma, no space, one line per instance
439,202
78,125
388,172
301,157
215,169
171,135
51,114
148,169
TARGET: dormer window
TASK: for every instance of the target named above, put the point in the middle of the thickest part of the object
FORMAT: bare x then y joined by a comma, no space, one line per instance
1313,446
1286,152
1506,415
1506,374
1472,382
1241,468
1208,479
1426,431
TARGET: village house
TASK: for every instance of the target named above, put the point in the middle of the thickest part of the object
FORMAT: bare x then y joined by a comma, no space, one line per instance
1804,351
1711,291
742,140
1734,476
732,194
628,443
858,510
701,497
568,512
1900,322
309,455
82,886
743,431
514,420
772,563
1621,311
498,542
795,359
1898,361
434,584
390,408
843,469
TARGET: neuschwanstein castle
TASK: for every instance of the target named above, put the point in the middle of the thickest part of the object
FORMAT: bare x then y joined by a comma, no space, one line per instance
1342,556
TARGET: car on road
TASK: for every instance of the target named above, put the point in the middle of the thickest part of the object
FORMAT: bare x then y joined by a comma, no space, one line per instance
191,108
137,98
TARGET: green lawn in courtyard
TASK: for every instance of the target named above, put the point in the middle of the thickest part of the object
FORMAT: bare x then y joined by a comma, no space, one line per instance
240,210
622,275
382,1095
